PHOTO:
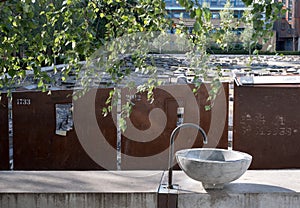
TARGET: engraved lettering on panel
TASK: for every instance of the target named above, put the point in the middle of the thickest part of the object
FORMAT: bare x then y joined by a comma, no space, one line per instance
23,101
257,124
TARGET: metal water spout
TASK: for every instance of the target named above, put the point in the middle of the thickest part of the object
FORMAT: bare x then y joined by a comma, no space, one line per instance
171,150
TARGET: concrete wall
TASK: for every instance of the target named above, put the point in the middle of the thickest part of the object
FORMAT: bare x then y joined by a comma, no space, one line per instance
145,189
223,200
77,200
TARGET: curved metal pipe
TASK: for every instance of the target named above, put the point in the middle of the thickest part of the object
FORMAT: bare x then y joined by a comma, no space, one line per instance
171,150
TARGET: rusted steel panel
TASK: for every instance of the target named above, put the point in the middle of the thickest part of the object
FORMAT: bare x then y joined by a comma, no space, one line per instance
267,125
37,142
4,135
145,145
97,133
215,121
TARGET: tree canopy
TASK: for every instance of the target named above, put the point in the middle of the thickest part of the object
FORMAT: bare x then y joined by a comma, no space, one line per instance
41,33
45,32
34,34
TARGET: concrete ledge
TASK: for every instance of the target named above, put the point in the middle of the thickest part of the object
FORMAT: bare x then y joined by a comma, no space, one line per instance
78,200
260,189
144,189
79,189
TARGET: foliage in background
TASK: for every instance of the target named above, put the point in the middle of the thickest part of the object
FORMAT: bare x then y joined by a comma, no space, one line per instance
41,33
44,33
248,33
228,24
264,14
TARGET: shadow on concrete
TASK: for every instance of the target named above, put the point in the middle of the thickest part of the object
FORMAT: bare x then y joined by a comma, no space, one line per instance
240,188
254,188
79,181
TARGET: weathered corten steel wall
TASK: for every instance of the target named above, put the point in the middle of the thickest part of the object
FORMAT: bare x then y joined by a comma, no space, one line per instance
267,125
91,143
145,143
4,135
36,144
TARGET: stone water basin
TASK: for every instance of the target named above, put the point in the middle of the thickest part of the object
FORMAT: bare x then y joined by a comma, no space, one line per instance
213,167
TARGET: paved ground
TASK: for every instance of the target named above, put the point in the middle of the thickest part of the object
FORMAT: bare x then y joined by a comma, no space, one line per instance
170,67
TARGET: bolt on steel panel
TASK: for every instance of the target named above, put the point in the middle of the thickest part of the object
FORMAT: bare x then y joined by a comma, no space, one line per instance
267,125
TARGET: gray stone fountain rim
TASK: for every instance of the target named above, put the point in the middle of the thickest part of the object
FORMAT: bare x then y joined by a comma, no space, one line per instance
246,156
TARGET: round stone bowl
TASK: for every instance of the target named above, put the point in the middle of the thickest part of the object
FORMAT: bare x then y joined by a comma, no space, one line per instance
213,167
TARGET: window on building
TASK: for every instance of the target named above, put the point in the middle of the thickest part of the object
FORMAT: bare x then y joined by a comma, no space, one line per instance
215,15
238,14
290,16
239,3
283,25
171,3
